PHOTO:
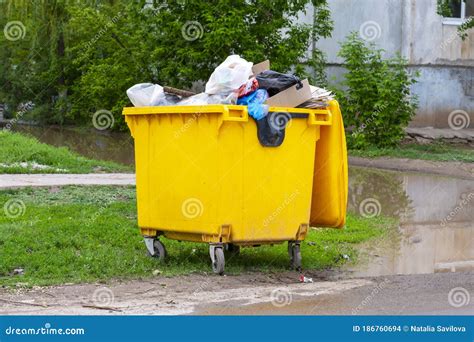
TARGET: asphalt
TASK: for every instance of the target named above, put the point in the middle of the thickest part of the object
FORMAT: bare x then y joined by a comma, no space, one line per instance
11,181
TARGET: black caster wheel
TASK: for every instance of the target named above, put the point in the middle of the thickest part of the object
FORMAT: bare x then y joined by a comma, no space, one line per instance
294,252
159,251
218,259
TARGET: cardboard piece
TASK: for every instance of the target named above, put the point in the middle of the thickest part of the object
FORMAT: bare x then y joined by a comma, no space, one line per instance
260,67
291,97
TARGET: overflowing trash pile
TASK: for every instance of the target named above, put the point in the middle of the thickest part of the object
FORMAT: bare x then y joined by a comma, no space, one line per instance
237,81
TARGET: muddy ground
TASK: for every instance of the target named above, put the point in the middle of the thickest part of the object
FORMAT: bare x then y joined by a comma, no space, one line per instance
330,293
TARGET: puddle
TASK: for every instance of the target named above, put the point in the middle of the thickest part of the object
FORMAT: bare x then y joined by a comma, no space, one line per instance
436,231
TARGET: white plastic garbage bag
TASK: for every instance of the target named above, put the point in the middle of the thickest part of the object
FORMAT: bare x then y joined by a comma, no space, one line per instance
204,99
146,94
229,75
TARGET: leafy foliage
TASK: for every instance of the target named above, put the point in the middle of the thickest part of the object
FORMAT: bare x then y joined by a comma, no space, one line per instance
78,57
444,8
375,95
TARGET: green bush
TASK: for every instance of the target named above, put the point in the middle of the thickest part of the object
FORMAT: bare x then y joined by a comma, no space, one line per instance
78,57
375,95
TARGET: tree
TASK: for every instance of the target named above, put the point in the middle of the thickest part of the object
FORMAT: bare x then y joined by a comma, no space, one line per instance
111,45
34,57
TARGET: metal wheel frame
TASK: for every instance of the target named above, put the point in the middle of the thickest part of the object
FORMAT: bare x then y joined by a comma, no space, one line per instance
156,249
217,258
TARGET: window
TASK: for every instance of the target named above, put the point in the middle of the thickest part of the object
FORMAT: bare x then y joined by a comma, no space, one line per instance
459,10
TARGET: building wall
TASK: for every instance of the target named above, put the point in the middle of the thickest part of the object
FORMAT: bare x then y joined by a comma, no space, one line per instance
414,29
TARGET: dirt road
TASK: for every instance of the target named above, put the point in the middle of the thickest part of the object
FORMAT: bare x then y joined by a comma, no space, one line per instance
251,294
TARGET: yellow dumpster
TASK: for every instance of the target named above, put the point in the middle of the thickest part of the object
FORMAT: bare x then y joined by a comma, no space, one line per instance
211,174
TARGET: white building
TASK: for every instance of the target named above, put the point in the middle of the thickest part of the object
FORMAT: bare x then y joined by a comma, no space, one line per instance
430,43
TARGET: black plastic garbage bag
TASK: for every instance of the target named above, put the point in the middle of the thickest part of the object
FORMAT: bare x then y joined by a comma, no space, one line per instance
275,82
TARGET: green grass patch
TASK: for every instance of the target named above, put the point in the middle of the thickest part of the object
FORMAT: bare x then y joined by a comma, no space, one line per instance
437,151
25,154
85,234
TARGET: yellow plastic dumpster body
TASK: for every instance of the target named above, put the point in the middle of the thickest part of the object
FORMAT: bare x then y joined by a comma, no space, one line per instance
202,174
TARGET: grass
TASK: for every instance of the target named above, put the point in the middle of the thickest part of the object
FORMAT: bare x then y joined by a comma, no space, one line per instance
437,151
24,154
84,234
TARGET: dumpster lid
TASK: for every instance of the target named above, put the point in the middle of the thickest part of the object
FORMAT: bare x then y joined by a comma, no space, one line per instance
230,112
270,129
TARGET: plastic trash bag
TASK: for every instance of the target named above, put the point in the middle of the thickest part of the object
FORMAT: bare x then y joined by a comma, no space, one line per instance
255,102
275,82
146,94
229,75
169,100
204,99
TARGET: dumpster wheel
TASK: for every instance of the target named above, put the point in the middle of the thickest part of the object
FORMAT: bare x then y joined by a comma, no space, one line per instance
159,250
294,252
217,258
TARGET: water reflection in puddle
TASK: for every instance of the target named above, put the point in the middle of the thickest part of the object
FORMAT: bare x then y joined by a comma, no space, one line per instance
436,231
